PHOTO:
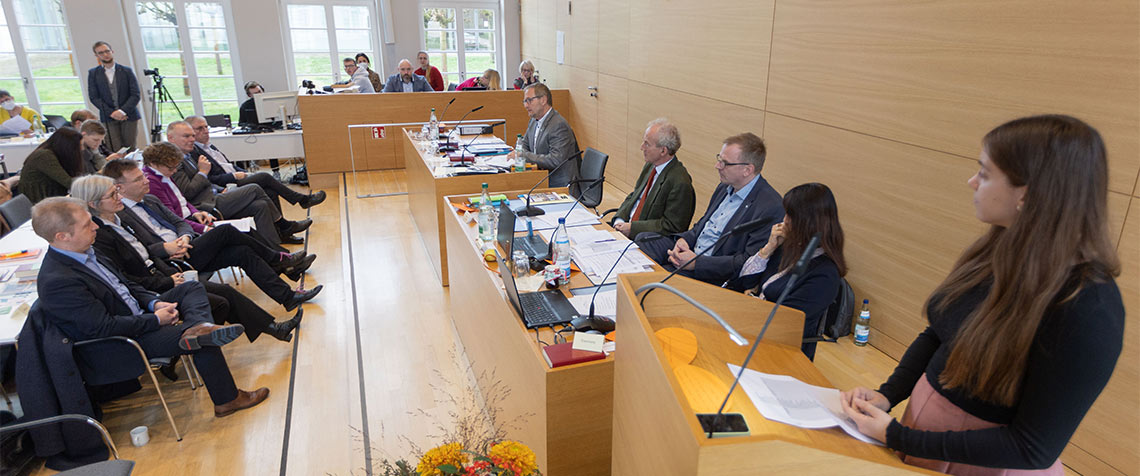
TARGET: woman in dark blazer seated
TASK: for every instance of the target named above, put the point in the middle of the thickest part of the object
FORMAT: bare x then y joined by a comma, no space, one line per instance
808,209
48,170
131,257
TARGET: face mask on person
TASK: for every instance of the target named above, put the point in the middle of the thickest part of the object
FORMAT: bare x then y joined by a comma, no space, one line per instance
8,105
362,64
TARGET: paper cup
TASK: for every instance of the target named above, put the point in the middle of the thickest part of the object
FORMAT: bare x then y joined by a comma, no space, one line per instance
140,436
191,275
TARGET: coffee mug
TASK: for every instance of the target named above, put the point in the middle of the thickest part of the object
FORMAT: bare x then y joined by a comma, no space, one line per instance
231,187
139,436
191,275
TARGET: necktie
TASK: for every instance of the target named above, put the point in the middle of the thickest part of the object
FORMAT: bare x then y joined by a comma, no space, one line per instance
644,194
157,218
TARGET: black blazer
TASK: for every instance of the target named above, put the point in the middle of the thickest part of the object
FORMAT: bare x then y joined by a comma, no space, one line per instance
112,246
724,261
141,230
83,306
127,86
813,292
217,174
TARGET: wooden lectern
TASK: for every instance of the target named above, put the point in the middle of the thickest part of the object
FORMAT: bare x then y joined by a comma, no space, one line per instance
655,430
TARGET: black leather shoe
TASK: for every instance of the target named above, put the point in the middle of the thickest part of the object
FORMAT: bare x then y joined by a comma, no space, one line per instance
300,297
294,272
299,226
283,331
292,240
289,260
313,199
169,372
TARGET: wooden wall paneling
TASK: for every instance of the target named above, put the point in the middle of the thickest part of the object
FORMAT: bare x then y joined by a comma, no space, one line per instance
613,108
613,38
581,26
704,123
907,212
529,31
717,50
942,74
546,29
583,107
1111,429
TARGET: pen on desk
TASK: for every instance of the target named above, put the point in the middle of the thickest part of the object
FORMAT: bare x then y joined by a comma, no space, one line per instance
12,254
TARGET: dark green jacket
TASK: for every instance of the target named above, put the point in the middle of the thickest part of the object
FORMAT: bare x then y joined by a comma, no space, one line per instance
42,176
669,207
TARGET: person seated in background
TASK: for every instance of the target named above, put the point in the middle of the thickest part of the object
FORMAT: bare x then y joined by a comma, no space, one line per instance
166,236
48,170
405,81
356,77
808,209
80,115
222,172
362,61
490,81
190,185
87,298
548,141
429,72
9,109
663,200
116,244
743,196
527,75
93,133
247,113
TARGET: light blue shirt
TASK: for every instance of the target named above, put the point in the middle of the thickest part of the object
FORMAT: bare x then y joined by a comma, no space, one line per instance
719,219
88,259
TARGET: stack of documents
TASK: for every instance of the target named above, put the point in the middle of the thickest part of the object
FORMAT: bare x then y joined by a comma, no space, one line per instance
605,304
577,217
787,400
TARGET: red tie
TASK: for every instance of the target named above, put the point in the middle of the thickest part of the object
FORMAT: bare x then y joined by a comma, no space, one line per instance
644,194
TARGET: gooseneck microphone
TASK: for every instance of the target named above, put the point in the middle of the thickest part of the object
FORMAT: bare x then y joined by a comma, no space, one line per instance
445,108
797,271
533,211
492,126
601,323
457,124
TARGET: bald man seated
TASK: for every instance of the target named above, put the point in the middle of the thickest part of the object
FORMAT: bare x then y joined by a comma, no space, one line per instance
406,81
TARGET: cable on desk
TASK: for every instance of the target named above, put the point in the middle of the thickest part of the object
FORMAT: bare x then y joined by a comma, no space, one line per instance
536,339
557,334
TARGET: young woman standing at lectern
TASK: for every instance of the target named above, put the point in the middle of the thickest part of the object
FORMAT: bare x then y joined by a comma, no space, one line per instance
1026,330
808,209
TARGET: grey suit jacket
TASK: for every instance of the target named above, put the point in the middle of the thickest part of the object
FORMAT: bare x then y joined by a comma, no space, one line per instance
194,186
555,143
419,84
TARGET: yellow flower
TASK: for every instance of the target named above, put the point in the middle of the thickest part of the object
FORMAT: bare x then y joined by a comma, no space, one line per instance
451,453
514,456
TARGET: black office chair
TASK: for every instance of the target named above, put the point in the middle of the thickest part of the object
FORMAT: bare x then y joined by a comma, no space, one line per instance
452,86
16,211
591,177
55,122
111,467
114,359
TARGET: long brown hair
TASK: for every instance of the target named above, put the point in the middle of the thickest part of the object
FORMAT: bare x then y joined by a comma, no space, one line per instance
811,209
1061,233
65,144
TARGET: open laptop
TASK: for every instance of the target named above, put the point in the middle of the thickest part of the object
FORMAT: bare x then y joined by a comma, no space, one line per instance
533,245
538,309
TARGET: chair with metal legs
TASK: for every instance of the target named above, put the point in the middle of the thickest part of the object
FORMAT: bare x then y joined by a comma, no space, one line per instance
110,467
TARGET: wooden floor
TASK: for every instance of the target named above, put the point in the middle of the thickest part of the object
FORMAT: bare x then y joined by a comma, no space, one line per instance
374,370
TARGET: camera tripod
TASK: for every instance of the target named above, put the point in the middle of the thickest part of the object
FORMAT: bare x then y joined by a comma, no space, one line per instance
159,95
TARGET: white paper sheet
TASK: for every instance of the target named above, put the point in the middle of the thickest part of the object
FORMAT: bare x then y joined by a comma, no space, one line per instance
787,400
243,225
576,217
605,305
15,125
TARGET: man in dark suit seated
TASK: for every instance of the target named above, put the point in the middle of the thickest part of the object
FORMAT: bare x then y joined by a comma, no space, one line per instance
89,299
663,200
548,141
165,235
742,197
406,81
250,200
223,172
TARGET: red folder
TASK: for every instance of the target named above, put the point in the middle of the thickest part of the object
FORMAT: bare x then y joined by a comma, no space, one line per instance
558,355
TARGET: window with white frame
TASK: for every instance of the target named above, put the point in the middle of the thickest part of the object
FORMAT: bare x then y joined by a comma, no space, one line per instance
188,43
477,26
323,33
35,45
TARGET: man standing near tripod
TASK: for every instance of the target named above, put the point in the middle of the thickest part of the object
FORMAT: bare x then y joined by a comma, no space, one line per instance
114,90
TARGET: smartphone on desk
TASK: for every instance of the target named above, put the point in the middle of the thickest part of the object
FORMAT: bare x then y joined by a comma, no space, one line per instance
728,424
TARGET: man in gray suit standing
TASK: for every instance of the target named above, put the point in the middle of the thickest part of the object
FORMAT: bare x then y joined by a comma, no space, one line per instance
548,141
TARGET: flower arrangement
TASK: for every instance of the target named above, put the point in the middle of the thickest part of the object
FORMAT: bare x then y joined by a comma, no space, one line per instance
506,458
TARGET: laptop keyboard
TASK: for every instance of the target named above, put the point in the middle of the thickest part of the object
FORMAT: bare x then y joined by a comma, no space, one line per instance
536,311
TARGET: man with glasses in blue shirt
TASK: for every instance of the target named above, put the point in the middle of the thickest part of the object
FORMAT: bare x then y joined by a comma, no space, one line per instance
742,196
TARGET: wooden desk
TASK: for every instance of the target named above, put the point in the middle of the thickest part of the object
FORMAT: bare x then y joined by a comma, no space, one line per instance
563,414
426,192
327,116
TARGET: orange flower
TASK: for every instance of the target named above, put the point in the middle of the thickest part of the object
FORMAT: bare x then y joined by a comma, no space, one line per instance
451,453
513,456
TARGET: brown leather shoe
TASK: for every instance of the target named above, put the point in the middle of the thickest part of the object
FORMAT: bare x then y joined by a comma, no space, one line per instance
244,400
206,334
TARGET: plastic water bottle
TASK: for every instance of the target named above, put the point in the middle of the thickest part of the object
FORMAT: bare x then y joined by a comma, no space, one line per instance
433,130
520,162
486,217
38,127
863,325
562,250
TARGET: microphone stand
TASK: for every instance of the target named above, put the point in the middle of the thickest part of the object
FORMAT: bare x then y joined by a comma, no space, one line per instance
550,245
461,159
532,211
445,108
801,266
591,319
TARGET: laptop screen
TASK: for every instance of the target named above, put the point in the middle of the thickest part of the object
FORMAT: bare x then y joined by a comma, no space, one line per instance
505,269
506,232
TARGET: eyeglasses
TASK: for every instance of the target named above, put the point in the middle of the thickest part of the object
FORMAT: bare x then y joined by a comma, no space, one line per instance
114,193
528,100
720,161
